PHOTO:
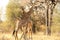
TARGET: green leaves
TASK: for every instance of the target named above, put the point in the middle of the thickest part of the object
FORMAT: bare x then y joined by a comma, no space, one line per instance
12,12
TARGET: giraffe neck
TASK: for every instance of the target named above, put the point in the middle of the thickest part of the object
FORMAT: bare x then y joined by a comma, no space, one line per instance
25,15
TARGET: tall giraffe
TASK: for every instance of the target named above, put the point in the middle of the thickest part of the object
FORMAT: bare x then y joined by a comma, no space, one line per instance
24,23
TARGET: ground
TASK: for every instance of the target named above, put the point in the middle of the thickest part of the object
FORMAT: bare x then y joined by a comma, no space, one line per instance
37,36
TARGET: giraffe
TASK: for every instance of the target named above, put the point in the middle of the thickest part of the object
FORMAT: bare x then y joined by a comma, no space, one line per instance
25,24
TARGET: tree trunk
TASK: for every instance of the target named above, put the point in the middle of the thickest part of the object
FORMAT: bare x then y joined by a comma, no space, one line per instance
48,21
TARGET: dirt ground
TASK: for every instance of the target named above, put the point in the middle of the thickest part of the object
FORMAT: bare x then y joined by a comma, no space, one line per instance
38,36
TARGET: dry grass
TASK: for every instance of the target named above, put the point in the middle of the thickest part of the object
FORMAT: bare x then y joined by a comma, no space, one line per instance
38,36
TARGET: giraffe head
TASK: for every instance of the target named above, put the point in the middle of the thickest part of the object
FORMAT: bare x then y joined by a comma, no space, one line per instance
27,8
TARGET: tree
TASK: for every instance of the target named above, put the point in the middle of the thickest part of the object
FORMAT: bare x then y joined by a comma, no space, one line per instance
13,11
50,9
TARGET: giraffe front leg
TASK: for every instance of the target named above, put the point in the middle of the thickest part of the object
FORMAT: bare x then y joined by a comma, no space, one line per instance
15,34
29,29
30,33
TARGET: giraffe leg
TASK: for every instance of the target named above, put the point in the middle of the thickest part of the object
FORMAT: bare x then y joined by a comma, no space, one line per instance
15,34
29,31
21,36
24,34
16,37
30,34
